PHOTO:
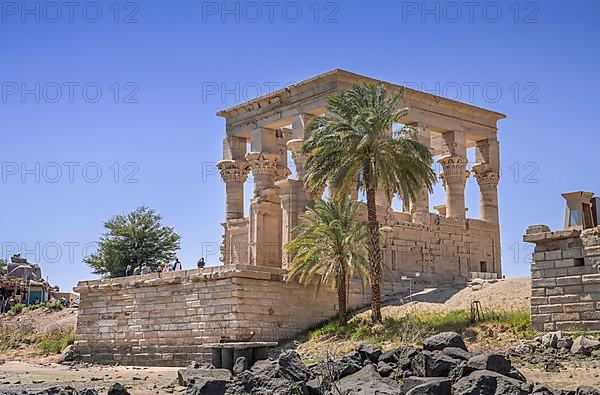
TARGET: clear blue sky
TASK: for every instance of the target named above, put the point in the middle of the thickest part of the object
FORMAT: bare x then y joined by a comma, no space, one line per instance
155,119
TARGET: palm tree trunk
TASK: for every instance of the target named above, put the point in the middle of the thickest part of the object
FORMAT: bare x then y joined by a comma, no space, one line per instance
341,291
374,251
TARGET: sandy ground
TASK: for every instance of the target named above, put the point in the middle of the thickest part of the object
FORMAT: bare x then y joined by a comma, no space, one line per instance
41,320
507,294
35,323
569,378
15,376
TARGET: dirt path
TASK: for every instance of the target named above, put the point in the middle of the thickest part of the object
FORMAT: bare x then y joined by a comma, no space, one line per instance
16,376
507,294
569,378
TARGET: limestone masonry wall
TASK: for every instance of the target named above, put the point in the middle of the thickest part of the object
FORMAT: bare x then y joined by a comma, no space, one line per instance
164,318
565,279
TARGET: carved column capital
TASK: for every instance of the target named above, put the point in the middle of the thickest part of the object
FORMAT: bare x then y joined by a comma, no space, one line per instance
454,170
487,176
262,164
233,170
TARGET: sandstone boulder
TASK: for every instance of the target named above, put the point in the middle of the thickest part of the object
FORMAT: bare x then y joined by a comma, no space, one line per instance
550,339
585,346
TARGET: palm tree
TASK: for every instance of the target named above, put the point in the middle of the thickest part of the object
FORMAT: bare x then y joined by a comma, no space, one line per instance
354,142
329,248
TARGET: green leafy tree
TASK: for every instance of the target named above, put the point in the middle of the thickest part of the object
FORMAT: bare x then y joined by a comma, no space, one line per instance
329,248
3,266
134,239
354,142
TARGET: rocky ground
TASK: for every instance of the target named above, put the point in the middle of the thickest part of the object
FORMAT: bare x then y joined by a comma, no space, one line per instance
442,366
497,366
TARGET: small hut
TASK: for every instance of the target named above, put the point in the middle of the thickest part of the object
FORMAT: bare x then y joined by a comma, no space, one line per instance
22,283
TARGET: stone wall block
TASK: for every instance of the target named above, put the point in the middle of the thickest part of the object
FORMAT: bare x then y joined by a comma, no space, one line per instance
569,280
543,282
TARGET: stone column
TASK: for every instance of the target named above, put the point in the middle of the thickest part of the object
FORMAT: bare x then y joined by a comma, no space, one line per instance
487,177
234,174
487,173
422,134
264,236
381,198
299,158
454,176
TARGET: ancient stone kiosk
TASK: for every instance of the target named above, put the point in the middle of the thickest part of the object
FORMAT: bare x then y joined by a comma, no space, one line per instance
165,318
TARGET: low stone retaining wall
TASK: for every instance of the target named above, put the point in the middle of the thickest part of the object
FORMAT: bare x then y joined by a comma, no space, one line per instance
164,318
565,279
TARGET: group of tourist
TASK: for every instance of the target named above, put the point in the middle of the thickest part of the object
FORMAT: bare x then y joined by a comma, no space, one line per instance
162,268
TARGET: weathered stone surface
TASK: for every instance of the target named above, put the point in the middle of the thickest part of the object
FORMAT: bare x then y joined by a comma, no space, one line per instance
66,390
402,354
541,389
385,369
240,365
292,366
314,386
68,355
117,389
457,353
444,340
426,385
368,381
550,339
584,345
587,390
433,364
189,375
271,377
369,352
565,283
486,382
493,362
207,386
437,387
564,342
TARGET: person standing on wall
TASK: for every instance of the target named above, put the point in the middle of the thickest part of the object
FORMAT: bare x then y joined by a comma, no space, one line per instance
145,269
176,265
